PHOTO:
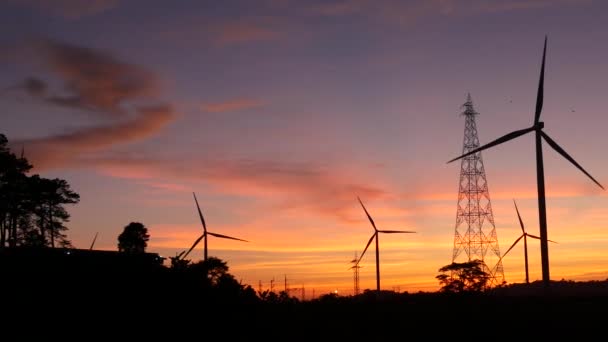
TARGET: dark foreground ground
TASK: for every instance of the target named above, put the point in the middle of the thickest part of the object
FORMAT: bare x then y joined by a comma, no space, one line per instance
140,312
54,300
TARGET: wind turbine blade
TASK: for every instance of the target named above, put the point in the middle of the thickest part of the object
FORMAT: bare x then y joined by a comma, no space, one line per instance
521,223
200,213
368,243
368,216
541,84
194,245
500,140
536,237
225,236
513,245
93,243
561,151
395,231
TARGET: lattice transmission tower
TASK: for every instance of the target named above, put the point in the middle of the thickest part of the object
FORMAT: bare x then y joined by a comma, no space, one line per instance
475,235
355,269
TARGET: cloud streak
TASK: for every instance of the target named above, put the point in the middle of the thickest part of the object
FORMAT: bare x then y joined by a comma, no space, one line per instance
305,186
233,105
234,32
225,31
94,81
64,150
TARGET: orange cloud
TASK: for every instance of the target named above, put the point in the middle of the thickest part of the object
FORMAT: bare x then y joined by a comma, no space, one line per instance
500,192
231,105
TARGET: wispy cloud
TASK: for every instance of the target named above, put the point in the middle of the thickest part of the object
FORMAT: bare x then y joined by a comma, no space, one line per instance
225,31
306,186
69,9
64,150
94,82
338,8
233,32
233,105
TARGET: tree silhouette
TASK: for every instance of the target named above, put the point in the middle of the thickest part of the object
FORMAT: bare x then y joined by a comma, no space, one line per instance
211,270
208,280
177,263
216,269
49,197
464,277
134,238
32,209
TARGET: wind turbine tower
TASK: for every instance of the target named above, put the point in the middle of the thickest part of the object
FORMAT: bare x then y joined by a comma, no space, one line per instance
475,234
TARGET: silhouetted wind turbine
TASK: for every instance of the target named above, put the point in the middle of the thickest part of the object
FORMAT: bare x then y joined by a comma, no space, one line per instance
205,233
537,127
375,236
525,236
93,243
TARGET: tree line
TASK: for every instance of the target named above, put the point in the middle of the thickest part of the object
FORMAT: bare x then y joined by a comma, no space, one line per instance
32,208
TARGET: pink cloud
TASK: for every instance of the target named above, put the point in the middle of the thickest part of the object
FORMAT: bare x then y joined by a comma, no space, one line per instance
97,82
65,149
306,186
240,32
94,80
225,32
233,105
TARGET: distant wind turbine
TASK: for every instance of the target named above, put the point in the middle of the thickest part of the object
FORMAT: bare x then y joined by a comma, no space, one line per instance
525,236
537,127
205,233
375,236
93,243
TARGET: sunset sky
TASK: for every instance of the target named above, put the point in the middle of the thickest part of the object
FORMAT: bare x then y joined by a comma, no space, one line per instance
279,113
